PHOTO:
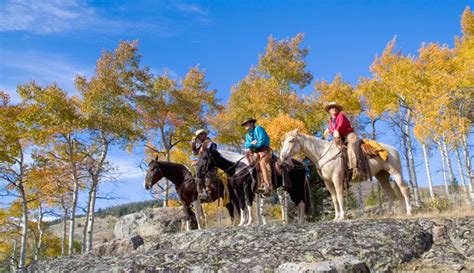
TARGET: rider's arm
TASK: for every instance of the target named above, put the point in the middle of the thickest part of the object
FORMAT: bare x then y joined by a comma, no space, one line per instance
248,141
261,137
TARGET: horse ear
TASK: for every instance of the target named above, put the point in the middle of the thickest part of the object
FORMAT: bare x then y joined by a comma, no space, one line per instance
156,158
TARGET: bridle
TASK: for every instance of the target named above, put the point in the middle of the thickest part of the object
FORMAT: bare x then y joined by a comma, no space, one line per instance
320,166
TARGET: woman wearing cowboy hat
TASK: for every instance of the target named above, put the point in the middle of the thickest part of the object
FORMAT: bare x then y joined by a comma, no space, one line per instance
341,129
257,142
205,143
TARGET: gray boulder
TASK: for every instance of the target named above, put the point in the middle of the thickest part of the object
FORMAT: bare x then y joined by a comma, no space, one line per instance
118,246
149,222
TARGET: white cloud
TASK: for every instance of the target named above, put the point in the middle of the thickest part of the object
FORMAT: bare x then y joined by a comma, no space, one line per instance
127,169
55,16
42,17
45,68
191,8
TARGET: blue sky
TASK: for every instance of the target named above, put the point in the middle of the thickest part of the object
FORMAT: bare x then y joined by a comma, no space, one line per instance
52,41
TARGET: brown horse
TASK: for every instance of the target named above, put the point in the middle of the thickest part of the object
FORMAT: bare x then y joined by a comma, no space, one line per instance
185,185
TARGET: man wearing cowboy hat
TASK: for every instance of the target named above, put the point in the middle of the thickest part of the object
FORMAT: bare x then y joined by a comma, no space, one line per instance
257,142
205,143
341,129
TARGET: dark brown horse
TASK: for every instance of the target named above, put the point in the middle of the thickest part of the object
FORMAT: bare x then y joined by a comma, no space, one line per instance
242,187
185,185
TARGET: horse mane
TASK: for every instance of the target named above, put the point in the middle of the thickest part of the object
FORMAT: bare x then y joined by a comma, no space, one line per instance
233,156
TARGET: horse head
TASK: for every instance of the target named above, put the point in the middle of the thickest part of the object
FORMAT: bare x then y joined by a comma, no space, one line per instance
291,146
153,173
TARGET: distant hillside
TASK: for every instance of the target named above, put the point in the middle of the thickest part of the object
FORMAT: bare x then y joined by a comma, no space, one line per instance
120,210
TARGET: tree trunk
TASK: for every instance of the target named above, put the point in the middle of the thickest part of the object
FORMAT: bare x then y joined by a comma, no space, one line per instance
91,209
428,170
443,170
40,233
411,157
405,154
461,175
379,188
75,196
24,228
72,218
467,162
84,228
63,238
93,194
449,167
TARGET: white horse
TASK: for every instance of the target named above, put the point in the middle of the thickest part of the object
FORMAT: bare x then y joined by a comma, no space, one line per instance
327,157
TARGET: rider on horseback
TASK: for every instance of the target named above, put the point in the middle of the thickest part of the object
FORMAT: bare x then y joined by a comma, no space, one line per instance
257,142
205,143
340,128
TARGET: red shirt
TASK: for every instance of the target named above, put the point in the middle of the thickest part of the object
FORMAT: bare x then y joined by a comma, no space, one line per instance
341,124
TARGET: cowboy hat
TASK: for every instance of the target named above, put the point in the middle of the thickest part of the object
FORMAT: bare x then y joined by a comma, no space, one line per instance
249,120
200,131
333,104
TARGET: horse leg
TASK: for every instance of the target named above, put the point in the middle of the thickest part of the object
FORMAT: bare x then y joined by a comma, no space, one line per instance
337,178
301,212
404,190
187,216
197,208
261,209
283,196
332,191
384,180
249,215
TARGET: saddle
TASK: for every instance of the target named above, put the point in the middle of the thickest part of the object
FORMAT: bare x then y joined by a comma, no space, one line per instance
362,171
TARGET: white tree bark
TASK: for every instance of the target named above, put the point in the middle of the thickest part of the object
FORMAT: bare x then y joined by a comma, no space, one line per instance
75,194
411,157
24,226
63,237
39,241
443,169
467,162
91,209
449,166
428,170
95,175
461,175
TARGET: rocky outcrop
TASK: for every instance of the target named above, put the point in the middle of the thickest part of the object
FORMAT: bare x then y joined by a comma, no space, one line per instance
118,246
347,246
149,222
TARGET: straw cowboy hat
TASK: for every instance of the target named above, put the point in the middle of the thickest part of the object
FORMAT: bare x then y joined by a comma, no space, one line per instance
333,104
200,131
249,120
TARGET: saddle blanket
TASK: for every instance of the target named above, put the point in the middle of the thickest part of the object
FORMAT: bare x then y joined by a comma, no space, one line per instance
373,148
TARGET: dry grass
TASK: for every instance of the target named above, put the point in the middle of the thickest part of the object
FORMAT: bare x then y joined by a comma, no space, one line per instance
458,211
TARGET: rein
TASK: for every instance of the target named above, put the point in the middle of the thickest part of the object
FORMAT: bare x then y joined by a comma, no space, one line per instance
320,166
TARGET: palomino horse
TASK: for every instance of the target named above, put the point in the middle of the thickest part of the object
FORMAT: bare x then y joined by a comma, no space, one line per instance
242,189
328,158
185,186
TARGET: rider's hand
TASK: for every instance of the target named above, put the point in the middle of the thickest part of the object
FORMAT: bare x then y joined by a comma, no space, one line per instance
338,141
253,142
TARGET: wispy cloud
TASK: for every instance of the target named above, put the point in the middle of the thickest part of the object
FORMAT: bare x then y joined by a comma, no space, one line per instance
45,68
55,16
42,17
127,169
192,8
